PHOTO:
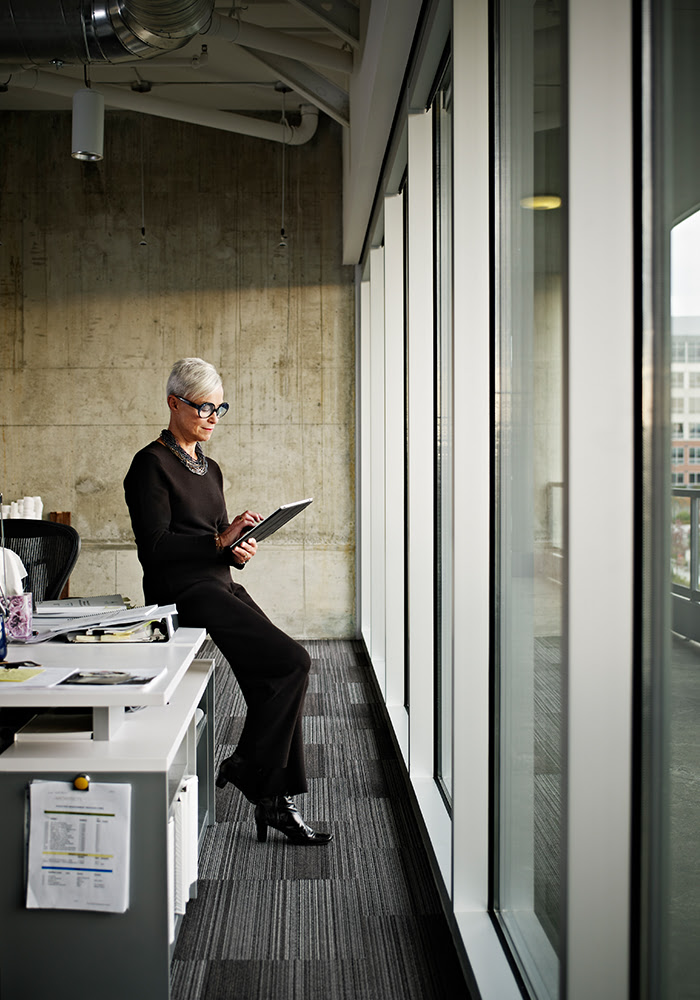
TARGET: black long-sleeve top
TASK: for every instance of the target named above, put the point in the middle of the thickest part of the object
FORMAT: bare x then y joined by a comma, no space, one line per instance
175,516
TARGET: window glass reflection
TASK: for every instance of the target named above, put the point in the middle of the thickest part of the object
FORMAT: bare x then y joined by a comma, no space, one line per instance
443,430
679,742
530,485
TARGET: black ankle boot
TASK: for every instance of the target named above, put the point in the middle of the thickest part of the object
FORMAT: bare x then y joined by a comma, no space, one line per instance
236,770
281,814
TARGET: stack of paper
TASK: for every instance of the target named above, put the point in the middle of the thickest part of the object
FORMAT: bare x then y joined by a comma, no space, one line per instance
66,606
69,619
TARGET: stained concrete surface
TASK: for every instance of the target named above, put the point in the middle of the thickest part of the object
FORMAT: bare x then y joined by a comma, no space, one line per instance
91,322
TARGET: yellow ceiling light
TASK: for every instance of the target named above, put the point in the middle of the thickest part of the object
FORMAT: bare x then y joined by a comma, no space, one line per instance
541,202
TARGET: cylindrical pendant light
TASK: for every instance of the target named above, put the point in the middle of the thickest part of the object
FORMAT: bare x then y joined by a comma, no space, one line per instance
88,124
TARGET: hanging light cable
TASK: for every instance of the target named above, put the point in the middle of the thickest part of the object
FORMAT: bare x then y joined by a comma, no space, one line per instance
282,245
142,242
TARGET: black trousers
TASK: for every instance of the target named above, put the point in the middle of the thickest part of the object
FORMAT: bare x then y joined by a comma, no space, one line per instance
272,670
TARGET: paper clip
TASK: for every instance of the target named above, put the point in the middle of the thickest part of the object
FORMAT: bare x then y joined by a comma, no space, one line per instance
81,782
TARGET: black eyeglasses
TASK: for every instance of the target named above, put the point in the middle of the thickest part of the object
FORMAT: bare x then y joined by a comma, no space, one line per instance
205,409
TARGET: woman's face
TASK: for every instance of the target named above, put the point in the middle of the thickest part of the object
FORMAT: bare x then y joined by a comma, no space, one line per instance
185,422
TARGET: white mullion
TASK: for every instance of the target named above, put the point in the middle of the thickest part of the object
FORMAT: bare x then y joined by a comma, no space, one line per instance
394,401
421,443
377,555
364,571
472,475
472,470
601,498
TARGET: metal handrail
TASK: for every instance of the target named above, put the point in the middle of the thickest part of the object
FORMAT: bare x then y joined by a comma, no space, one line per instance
692,494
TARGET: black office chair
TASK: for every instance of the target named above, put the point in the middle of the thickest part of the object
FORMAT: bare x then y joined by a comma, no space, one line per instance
49,551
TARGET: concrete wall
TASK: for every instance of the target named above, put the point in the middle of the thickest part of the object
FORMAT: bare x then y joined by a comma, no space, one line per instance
90,323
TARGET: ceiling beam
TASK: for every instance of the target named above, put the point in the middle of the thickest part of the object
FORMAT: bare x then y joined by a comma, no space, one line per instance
253,36
343,17
308,83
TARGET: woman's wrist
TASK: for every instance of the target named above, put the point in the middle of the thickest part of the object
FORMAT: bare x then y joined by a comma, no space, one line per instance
218,542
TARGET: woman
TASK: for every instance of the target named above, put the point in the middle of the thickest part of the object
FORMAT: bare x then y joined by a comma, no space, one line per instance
186,547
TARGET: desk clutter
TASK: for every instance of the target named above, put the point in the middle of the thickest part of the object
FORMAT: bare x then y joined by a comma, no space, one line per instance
102,619
36,560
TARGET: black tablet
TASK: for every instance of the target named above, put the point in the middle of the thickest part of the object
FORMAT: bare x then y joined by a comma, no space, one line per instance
263,529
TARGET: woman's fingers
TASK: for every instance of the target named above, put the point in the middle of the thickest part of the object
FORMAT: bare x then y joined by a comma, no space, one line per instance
246,520
246,550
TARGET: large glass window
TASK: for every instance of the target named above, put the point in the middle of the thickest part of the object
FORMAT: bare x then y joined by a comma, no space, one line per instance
530,506
670,873
443,428
683,683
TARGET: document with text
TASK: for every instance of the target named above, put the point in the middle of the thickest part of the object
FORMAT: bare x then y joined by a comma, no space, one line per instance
79,844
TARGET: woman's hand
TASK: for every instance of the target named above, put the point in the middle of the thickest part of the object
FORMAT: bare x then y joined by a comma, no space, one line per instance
240,524
245,552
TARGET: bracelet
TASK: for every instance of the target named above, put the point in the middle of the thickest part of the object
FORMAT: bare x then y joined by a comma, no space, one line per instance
217,541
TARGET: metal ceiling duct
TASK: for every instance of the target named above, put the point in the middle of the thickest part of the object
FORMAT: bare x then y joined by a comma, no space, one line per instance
36,32
51,33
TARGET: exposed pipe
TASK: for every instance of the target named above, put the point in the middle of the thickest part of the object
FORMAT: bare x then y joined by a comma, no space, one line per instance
227,121
267,40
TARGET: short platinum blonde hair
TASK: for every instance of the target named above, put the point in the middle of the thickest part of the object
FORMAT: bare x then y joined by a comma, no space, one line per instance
193,378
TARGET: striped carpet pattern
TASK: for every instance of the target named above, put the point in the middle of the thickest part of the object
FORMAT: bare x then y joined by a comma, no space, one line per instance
547,795
359,919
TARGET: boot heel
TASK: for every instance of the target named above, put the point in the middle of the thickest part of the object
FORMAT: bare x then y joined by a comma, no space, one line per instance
261,826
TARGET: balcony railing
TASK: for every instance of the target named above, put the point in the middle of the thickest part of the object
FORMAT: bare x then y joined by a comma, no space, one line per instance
685,561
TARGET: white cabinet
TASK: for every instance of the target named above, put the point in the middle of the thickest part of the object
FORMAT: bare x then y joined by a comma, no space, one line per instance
70,955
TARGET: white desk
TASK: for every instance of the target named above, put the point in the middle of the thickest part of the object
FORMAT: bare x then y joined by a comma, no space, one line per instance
64,954
107,702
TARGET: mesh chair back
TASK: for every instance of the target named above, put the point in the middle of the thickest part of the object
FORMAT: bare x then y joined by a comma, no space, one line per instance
48,550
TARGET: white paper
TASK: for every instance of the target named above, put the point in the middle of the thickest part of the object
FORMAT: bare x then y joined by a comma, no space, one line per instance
51,676
79,846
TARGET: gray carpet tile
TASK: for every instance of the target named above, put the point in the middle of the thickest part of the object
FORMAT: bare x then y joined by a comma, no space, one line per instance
547,790
357,920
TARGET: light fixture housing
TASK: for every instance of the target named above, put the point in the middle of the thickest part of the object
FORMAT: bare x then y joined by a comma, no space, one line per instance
88,125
